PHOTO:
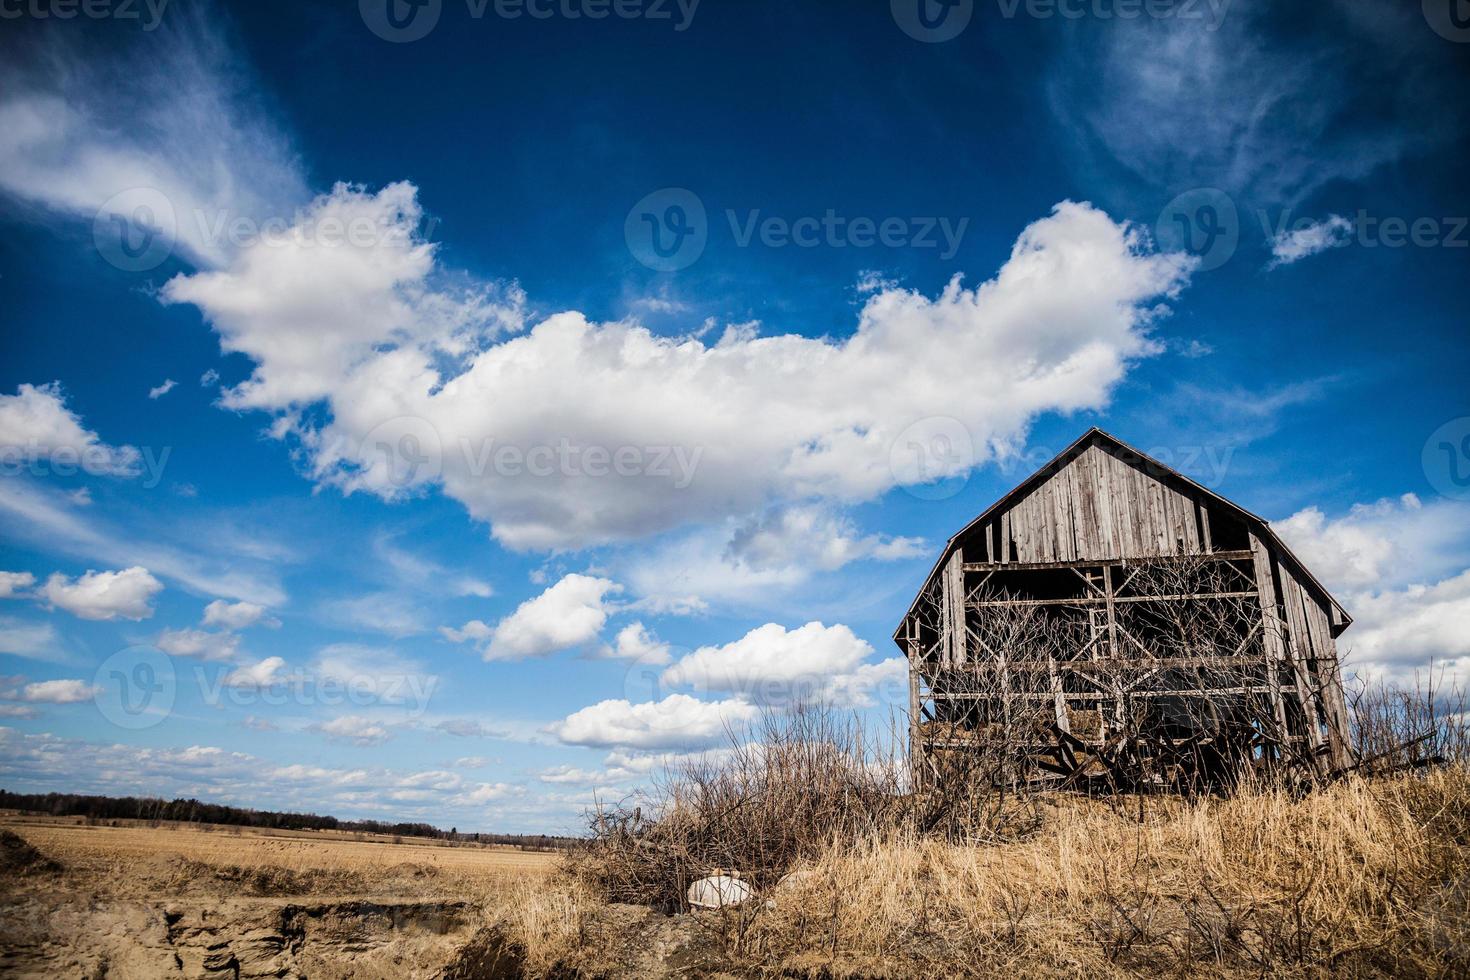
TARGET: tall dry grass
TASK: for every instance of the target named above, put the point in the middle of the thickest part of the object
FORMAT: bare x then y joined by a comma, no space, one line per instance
1359,878
1367,875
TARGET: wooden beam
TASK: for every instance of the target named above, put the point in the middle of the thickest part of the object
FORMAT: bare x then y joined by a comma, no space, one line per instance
1042,566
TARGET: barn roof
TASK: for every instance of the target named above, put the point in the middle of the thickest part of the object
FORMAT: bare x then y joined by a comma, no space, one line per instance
1097,437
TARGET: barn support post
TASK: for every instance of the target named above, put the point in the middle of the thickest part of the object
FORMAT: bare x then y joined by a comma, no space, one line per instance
1272,636
916,743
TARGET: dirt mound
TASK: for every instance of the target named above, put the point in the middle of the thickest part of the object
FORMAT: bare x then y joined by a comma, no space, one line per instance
18,857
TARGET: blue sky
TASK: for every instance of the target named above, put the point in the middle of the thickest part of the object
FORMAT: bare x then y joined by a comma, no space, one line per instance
456,420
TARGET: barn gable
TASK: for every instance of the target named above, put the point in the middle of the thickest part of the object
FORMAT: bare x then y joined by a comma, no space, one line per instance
1100,499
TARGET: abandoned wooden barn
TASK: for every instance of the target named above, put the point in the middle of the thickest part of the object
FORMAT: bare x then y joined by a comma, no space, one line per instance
1110,621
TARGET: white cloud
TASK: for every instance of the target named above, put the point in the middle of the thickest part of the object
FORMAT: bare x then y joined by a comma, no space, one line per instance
104,595
1399,568
199,644
36,425
486,793
355,729
211,564
168,385
1405,628
469,728
425,575
771,664
49,762
376,673
1385,543
264,673
568,614
389,613
745,561
677,722
236,615
13,585
715,430
1245,100
475,631
183,127
36,641
209,378
1307,239
57,692
571,776
636,644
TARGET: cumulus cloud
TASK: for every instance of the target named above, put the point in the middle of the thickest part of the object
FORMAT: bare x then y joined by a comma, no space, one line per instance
774,664
1399,567
355,729
36,425
665,431
677,722
56,692
208,772
469,728
568,614
636,644
1309,238
1385,543
475,631
13,585
216,563
236,615
264,673
104,595
200,644
1399,630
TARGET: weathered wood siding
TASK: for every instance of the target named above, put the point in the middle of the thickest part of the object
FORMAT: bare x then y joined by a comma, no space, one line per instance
1097,506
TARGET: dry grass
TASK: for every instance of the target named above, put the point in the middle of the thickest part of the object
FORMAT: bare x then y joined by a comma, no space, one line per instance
172,853
1361,878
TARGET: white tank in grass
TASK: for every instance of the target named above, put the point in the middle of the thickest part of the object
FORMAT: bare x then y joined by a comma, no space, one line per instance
719,890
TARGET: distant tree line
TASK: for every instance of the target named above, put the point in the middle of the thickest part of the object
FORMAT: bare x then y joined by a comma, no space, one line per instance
193,811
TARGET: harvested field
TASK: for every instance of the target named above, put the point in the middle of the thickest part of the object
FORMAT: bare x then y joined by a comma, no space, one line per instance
98,847
177,900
